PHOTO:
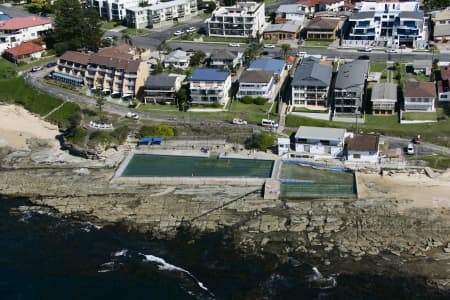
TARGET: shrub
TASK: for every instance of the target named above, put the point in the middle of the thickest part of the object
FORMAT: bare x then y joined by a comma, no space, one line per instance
77,135
101,138
164,131
259,101
120,134
261,141
246,100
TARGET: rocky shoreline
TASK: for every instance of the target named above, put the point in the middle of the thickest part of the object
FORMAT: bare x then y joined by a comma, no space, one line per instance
331,233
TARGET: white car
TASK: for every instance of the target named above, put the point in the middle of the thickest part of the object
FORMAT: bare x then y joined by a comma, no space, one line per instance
239,121
36,69
178,32
191,29
301,53
269,46
391,50
366,49
233,45
410,149
132,115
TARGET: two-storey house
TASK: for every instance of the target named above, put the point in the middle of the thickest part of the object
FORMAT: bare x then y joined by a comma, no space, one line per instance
256,84
419,96
384,98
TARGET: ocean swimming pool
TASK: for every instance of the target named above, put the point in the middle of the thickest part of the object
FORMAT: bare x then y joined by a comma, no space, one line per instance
151,165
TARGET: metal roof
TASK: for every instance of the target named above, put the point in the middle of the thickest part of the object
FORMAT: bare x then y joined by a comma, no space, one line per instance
291,9
287,27
384,91
256,76
161,80
362,15
311,73
352,74
205,74
320,133
411,15
268,64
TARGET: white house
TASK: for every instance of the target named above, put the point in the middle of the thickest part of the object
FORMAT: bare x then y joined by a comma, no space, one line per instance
419,96
290,12
284,145
160,13
209,86
178,59
16,31
320,141
245,19
256,84
362,147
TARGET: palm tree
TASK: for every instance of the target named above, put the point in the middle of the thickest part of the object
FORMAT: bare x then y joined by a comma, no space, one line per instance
285,48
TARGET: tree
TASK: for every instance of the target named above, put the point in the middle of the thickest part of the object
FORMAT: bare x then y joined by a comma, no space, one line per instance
285,48
197,58
182,97
157,68
261,141
100,101
75,28
39,6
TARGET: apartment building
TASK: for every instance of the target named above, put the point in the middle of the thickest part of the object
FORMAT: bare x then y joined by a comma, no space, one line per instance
256,84
117,75
209,86
388,24
245,19
350,87
115,9
419,96
311,83
160,13
384,98
16,31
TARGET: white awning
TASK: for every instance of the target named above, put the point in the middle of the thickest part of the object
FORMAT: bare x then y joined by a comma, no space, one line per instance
115,93
106,90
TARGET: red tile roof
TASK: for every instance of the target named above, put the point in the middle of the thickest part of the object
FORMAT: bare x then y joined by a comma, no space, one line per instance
76,57
290,59
445,72
311,3
24,49
419,89
23,22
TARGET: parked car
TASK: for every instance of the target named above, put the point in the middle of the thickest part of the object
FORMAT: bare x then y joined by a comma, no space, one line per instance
132,115
191,29
51,65
35,69
239,121
271,46
390,50
233,45
410,149
366,49
301,53
178,32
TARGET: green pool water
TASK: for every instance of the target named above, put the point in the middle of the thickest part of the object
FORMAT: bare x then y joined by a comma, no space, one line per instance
150,165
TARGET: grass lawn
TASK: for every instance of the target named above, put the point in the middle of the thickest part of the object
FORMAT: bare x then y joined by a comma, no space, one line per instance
304,109
62,115
16,90
108,25
133,31
436,133
422,77
40,62
420,116
316,43
436,161
377,66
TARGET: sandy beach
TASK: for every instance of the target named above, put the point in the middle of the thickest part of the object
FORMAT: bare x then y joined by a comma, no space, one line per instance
410,190
17,125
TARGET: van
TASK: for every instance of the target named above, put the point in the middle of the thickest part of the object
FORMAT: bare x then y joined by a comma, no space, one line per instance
269,123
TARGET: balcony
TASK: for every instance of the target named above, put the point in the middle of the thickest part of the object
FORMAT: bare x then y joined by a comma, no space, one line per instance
130,75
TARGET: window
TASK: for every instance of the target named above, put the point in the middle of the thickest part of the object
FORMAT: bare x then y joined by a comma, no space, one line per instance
356,155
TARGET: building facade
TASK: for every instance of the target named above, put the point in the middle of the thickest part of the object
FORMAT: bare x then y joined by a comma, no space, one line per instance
114,75
115,9
290,12
320,141
362,148
279,32
350,87
441,22
384,98
256,84
161,88
178,59
322,29
224,59
24,51
245,19
160,13
443,85
209,86
419,96
311,83
16,31
388,24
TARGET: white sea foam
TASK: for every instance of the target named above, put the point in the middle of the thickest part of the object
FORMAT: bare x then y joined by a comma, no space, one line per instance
323,282
163,265
122,252
104,271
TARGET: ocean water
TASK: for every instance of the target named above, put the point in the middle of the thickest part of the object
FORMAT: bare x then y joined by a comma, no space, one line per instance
45,257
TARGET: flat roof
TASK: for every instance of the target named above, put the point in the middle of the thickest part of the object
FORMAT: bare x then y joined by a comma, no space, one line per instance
320,133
